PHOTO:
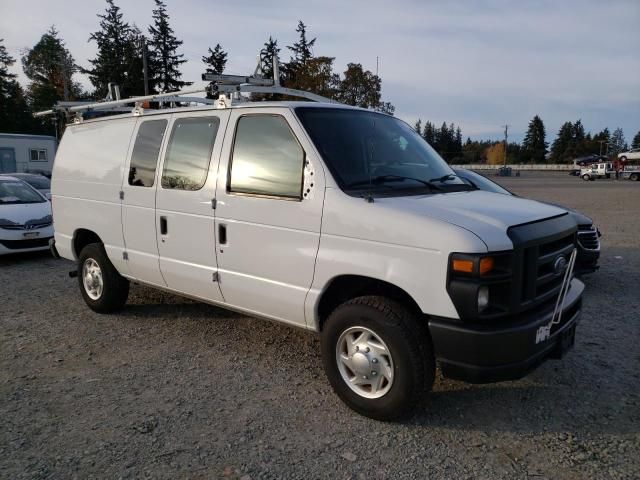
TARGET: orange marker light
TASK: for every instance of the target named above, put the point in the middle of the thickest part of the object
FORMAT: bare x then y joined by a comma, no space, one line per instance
486,265
464,266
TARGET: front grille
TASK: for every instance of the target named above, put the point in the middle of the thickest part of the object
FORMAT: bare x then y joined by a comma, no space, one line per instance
588,237
29,243
28,226
537,248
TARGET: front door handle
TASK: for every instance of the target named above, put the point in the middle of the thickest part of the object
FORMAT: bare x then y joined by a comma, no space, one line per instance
222,234
163,225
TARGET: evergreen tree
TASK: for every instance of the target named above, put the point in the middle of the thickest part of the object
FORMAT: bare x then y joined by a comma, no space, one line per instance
534,144
268,52
216,60
49,66
133,83
163,54
618,143
113,41
418,127
15,114
317,76
429,134
636,141
301,55
562,143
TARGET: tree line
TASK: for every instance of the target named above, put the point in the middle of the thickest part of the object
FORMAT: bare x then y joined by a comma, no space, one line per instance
122,50
571,142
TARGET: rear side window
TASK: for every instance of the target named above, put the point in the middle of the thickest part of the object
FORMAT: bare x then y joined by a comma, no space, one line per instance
144,159
267,158
187,159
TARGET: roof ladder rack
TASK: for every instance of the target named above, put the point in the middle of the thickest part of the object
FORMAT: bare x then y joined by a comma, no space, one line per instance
218,86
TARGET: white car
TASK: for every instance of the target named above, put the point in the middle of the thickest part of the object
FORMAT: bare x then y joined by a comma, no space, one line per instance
330,218
25,217
633,154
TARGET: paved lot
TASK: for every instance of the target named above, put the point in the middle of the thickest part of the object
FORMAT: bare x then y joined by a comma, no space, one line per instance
174,389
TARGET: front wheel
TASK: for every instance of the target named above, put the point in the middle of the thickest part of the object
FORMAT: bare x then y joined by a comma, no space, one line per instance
377,357
104,290
586,177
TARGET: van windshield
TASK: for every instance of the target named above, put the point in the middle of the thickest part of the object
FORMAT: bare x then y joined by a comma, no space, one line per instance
16,191
376,153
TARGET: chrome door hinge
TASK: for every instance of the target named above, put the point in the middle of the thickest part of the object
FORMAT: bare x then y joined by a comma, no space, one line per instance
125,256
121,195
215,277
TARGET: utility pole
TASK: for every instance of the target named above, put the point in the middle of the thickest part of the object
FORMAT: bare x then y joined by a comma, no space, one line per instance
377,61
506,136
145,70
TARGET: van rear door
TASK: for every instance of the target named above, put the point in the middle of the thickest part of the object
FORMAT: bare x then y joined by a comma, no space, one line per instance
185,215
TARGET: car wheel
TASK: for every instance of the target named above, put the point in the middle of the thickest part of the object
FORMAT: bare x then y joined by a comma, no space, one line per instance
586,177
634,176
104,290
378,357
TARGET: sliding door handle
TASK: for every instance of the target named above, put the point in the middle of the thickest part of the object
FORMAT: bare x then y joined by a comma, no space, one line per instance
163,225
222,234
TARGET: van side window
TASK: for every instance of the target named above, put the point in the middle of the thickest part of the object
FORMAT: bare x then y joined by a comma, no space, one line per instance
267,158
144,159
187,160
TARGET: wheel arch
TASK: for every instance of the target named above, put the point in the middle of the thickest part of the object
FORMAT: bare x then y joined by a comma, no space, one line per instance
83,237
346,287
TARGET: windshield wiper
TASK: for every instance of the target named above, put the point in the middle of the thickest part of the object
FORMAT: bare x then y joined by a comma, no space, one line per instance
392,178
444,178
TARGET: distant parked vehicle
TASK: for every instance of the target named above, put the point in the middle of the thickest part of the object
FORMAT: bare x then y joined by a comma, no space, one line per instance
585,161
597,170
588,233
633,154
26,223
37,181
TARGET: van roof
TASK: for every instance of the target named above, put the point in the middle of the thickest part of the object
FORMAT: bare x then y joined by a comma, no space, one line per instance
243,105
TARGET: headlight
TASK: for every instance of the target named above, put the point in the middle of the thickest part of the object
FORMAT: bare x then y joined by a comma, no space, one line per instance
479,283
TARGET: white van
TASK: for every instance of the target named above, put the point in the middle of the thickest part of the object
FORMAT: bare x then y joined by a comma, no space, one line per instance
334,219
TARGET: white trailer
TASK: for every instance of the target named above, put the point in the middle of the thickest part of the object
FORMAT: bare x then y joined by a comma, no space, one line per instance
26,153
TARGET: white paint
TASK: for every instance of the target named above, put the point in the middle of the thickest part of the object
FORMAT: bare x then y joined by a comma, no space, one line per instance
280,255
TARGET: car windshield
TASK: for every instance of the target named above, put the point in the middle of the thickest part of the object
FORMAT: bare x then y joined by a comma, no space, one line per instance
369,151
481,182
37,181
16,191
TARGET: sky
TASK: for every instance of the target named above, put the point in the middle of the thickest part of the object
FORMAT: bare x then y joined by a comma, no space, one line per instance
479,64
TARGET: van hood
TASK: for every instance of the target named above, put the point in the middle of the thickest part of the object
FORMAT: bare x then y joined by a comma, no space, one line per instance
488,215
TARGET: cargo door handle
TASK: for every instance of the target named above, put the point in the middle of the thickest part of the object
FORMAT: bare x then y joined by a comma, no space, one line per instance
222,234
163,226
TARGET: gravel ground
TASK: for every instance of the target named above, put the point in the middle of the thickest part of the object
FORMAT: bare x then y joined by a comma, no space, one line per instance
170,388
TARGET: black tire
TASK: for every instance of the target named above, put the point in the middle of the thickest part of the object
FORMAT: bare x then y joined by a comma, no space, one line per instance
586,177
634,177
410,347
115,288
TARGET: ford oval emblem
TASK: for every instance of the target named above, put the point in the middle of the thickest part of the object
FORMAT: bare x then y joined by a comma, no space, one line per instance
559,265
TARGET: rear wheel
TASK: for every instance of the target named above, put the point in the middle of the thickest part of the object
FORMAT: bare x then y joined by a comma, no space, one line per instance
377,357
634,176
104,290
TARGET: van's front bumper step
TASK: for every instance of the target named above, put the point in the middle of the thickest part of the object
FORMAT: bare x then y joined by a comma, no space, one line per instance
508,350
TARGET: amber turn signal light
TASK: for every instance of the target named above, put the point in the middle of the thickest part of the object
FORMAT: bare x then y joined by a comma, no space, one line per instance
486,265
462,266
